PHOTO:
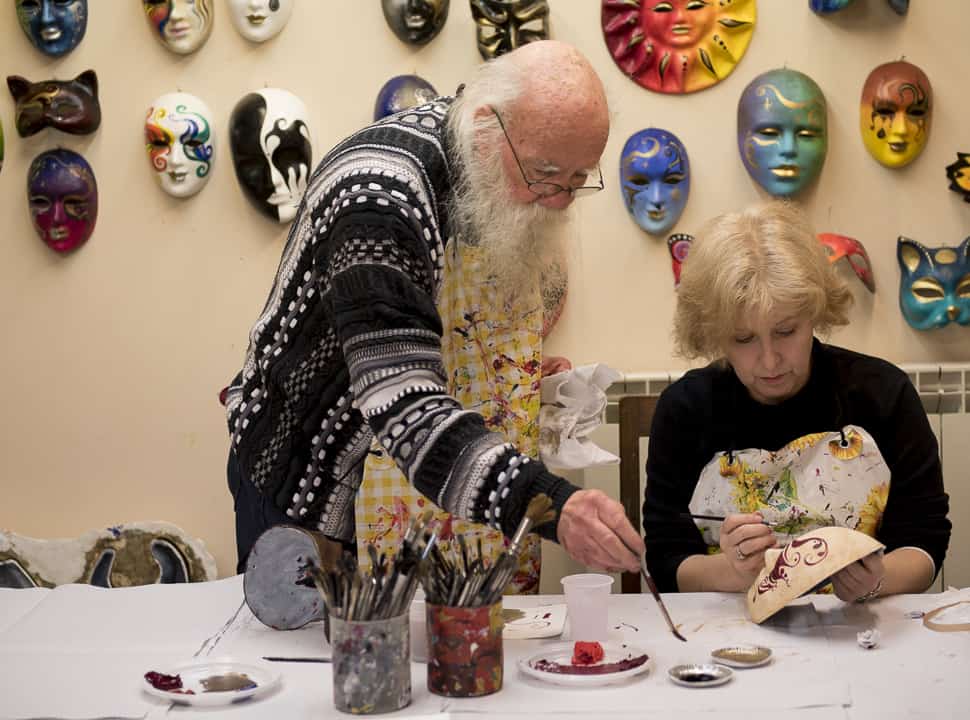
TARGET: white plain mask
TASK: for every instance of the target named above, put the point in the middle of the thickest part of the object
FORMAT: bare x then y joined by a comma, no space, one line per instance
260,20
180,143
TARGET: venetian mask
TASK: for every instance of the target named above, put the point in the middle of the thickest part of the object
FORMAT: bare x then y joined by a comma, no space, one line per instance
178,137
895,113
63,197
782,131
504,25
824,7
68,105
935,285
260,20
655,179
679,245
840,246
402,92
271,150
182,26
958,173
677,46
415,22
55,27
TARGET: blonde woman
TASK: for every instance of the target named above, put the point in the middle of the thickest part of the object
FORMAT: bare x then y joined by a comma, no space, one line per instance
782,433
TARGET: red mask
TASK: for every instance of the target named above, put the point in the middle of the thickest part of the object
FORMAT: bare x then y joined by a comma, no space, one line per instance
678,244
839,246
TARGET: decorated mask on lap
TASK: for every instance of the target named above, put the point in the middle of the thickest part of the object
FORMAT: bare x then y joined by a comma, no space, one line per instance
402,92
63,197
178,137
934,288
782,131
260,20
895,113
840,246
55,27
68,105
677,46
415,22
655,179
182,26
958,174
504,25
271,150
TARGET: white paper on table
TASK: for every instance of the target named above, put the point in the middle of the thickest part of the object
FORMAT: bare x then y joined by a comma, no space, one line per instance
571,407
150,618
248,638
17,602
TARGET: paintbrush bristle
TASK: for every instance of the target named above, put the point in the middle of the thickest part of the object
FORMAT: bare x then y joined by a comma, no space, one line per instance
540,510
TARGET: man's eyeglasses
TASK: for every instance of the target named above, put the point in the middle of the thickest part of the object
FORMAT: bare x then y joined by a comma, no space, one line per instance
541,187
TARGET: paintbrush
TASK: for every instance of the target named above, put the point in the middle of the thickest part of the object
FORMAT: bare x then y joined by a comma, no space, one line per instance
717,518
539,512
656,596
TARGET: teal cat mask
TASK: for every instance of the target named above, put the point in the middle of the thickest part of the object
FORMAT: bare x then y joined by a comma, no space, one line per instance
935,285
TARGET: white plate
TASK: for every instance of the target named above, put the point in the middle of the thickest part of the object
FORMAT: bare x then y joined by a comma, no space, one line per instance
197,673
538,622
562,654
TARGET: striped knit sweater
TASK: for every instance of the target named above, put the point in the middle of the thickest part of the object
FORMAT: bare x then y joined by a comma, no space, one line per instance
348,346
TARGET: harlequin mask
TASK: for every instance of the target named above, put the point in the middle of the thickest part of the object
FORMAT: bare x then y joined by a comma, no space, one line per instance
55,27
840,246
182,26
68,105
958,173
824,7
655,179
782,131
415,22
895,113
935,285
679,245
63,197
178,137
504,25
402,92
677,46
260,20
271,150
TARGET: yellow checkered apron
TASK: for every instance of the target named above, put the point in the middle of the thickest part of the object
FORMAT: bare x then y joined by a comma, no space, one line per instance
493,356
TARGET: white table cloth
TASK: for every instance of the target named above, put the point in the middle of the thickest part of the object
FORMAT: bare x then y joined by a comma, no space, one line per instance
78,652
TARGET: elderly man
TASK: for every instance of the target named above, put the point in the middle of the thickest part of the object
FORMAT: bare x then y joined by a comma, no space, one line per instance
348,350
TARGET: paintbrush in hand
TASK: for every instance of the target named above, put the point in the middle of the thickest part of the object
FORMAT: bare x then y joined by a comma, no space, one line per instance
656,596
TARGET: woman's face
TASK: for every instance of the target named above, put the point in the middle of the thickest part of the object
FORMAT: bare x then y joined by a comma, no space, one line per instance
772,356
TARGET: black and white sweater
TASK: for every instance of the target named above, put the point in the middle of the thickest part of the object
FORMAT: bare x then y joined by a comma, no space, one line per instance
348,346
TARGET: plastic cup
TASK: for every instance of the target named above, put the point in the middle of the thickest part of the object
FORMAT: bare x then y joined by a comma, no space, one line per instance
586,603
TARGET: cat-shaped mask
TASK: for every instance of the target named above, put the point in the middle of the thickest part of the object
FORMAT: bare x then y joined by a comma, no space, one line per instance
935,285
68,105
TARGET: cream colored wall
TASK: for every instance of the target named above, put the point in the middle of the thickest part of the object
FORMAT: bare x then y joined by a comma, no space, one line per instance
113,356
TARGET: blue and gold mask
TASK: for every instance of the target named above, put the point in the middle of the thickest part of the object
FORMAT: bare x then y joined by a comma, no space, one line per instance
655,179
935,285
54,28
782,131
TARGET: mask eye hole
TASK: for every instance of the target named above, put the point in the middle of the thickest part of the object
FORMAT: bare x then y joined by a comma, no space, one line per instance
928,290
639,180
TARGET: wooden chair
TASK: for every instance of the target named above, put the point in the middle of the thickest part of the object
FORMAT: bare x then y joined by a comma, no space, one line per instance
636,415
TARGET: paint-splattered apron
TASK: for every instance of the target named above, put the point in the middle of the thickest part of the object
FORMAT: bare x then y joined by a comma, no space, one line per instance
493,357
817,480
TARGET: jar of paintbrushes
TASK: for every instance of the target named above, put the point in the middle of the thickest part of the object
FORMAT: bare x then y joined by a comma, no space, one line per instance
464,611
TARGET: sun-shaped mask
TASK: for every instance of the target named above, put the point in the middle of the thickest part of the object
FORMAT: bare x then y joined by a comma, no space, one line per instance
958,173
895,113
678,46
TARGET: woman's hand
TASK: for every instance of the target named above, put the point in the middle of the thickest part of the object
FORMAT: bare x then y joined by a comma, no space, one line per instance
862,577
744,539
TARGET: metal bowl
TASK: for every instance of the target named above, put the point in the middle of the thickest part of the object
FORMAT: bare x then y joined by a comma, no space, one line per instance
742,656
700,674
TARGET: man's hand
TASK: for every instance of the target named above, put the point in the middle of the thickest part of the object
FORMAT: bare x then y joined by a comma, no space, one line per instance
594,530
555,364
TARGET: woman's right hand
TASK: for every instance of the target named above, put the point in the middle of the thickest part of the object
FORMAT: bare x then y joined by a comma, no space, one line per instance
744,539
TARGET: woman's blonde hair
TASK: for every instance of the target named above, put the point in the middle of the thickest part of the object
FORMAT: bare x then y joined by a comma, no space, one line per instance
746,265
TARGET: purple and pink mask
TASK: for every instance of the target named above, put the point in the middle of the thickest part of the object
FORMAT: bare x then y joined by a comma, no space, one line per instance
63,198
840,246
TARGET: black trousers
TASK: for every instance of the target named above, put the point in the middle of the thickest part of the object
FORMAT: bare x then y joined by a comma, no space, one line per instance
254,512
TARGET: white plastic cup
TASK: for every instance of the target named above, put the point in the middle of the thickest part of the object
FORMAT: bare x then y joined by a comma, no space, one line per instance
419,628
586,602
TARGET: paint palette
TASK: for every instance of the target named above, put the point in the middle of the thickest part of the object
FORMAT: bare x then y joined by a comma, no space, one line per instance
742,656
539,622
698,675
210,682
621,662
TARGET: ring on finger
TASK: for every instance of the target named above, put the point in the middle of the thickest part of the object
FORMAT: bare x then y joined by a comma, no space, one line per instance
741,556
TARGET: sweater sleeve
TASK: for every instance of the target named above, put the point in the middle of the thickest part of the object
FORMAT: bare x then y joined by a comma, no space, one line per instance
916,511
381,286
673,467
